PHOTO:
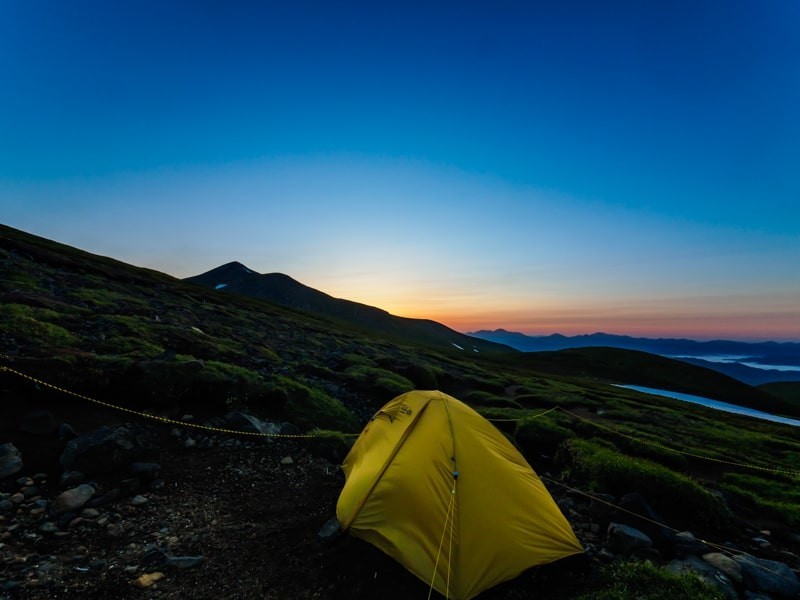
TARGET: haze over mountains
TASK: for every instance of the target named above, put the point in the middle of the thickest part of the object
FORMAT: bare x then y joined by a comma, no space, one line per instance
749,362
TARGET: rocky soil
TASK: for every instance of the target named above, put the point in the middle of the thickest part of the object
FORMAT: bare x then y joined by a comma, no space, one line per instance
188,515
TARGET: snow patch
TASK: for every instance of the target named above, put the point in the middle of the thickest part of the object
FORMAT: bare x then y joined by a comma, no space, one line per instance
219,286
456,345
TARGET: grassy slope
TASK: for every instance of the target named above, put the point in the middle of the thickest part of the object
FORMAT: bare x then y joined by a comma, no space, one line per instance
145,339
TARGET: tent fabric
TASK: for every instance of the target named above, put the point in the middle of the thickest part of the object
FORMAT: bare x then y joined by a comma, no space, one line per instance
437,487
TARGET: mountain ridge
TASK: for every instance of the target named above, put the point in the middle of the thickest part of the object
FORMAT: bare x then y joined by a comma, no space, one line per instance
235,277
691,351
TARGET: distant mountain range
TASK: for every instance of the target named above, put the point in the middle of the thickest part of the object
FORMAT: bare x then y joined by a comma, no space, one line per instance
236,278
737,355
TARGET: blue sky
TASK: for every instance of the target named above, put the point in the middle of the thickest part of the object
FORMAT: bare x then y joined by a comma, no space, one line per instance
572,166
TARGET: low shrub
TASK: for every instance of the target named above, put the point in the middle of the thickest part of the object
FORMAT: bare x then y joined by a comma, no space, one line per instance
377,381
604,469
773,498
541,434
481,398
309,407
639,580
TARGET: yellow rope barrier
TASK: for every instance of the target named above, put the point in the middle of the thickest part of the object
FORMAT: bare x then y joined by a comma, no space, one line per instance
158,418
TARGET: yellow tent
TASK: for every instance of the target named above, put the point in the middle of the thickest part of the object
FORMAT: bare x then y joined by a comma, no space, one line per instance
438,488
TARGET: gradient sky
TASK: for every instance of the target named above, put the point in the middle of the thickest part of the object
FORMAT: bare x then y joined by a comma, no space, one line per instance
630,167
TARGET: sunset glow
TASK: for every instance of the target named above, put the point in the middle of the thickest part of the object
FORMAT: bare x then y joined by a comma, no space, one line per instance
527,167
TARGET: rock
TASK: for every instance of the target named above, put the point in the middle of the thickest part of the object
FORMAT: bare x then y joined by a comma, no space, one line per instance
754,596
139,500
768,576
145,470
72,499
189,443
707,572
147,579
107,448
244,422
661,536
72,478
6,505
48,527
90,513
30,491
685,544
129,486
287,460
725,564
623,539
330,530
10,460
66,432
39,422
24,481
17,498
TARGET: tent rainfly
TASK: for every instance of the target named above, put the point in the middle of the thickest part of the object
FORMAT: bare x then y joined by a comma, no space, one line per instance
438,488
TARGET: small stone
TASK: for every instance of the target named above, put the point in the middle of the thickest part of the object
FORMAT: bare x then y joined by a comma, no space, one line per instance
48,527
6,505
17,498
148,579
287,460
189,443
72,478
24,481
90,513
35,512
131,569
139,500
30,491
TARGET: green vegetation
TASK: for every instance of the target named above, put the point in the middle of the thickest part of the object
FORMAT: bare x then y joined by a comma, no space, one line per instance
378,381
642,580
602,467
775,498
309,407
27,322
142,339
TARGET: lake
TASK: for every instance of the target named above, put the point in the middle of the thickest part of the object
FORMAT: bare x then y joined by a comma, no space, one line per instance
731,408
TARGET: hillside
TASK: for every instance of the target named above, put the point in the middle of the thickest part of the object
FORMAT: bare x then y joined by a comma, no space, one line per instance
179,493
236,278
615,365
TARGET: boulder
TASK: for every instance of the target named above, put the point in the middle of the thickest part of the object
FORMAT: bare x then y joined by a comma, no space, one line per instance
725,564
71,499
624,539
707,573
10,460
662,538
768,576
106,449
685,544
